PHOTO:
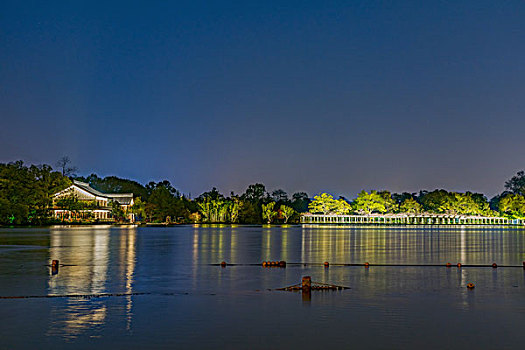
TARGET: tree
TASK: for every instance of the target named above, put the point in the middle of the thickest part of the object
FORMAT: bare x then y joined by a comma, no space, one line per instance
64,164
163,203
342,207
369,202
516,184
400,198
300,201
195,217
280,196
323,203
512,205
213,194
287,212
437,201
389,203
116,211
268,212
235,209
139,209
255,193
410,205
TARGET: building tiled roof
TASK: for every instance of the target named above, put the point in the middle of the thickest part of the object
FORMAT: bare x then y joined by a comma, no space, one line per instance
122,198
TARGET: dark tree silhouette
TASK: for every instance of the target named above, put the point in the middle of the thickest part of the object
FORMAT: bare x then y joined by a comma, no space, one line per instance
64,165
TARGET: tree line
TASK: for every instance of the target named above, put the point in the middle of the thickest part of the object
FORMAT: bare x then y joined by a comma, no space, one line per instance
26,199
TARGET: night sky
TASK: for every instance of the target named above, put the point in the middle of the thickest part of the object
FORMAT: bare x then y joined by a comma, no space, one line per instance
300,95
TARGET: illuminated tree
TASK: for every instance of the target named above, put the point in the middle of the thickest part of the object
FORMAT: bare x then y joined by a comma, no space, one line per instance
342,207
268,213
287,212
323,203
369,202
389,203
410,205
139,209
512,205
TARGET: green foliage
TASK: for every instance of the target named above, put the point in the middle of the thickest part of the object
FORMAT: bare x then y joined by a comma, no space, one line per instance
512,205
300,202
516,184
26,198
139,209
438,201
286,212
410,205
390,203
323,203
342,207
163,203
268,213
280,196
25,192
255,193
368,203
116,211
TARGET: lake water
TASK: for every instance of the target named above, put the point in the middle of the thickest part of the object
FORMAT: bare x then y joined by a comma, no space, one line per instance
190,304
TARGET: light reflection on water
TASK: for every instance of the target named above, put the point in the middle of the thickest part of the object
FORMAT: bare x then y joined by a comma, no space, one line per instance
191,302
91,254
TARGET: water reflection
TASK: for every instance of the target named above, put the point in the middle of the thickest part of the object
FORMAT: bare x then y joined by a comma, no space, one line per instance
195,304
96,260
390,245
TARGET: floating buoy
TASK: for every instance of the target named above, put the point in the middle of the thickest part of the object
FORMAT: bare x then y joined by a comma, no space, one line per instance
494,265
459,265
264,263
367,264
326,264
223,264
470,285
282,263
449,264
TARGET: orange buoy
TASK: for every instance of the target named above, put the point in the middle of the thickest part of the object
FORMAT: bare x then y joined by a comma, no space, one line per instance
459,265
367,264
494,265
470,285
326,264
264,264
223,264
449,264
282,263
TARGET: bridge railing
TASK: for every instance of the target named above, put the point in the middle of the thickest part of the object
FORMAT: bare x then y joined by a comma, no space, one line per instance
408,219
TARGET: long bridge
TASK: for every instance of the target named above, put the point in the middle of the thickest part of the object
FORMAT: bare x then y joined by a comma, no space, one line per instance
407,219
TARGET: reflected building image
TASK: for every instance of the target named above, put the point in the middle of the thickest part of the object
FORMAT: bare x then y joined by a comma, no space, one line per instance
94,260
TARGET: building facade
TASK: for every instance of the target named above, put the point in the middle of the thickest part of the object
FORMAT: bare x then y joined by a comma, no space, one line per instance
82,202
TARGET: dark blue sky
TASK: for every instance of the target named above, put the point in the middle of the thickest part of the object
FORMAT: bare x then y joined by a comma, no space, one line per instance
313,96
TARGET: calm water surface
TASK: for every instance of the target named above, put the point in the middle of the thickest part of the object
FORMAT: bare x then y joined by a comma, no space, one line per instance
191,304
